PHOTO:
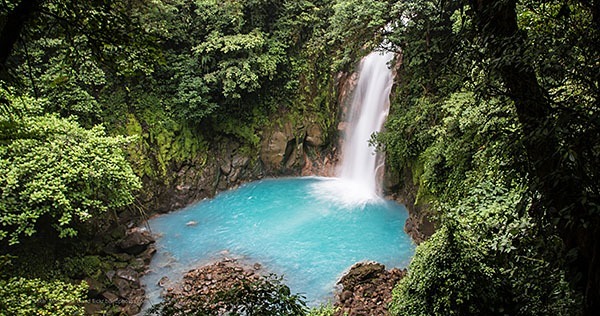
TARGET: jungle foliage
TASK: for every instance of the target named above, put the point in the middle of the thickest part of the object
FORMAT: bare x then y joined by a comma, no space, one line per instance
493,104
173,74
56,172
20,296
495,114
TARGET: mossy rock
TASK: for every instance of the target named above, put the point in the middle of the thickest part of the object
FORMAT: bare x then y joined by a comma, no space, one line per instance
361,272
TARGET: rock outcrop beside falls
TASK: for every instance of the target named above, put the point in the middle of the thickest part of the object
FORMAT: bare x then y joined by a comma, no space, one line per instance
401,188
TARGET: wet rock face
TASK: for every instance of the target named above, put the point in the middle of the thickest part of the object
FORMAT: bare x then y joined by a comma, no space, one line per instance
297,148
284,150
367,289
401,188
314,136
274,149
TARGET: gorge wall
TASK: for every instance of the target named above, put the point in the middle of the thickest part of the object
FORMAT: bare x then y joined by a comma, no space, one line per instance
289,149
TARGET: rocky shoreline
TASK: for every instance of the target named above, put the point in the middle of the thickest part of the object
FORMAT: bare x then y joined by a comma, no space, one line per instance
366,287
118,291
209,280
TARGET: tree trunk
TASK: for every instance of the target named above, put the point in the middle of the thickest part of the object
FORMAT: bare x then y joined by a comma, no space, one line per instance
561,191
11,29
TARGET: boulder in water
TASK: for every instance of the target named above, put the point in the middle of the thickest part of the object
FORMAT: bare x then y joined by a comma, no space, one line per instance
361,273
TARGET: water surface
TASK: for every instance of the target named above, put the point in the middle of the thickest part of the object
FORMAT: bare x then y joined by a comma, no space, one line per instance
310,230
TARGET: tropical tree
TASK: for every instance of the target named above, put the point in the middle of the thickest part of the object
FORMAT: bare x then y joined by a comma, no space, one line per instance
56,173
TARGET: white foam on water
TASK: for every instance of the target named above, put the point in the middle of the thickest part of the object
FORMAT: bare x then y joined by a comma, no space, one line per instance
346,193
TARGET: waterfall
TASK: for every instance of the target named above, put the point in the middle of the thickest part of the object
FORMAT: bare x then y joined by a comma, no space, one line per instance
357,183
368,111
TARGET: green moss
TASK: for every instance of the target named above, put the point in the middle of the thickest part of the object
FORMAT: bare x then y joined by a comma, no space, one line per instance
161,142
80,267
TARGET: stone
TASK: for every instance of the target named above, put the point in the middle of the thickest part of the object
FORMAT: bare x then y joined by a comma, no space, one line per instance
391,180
138,264
314,136
183,187
130,309
95,287
361,272
274,149
345,296
128,274
226,168
147,254
240,161
294,154
93,309
122,286
367,289
136,242
110,274
212,279
124,257
137,297
110,297
163,281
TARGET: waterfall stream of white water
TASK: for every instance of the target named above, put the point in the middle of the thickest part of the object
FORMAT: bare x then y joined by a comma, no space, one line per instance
367,114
